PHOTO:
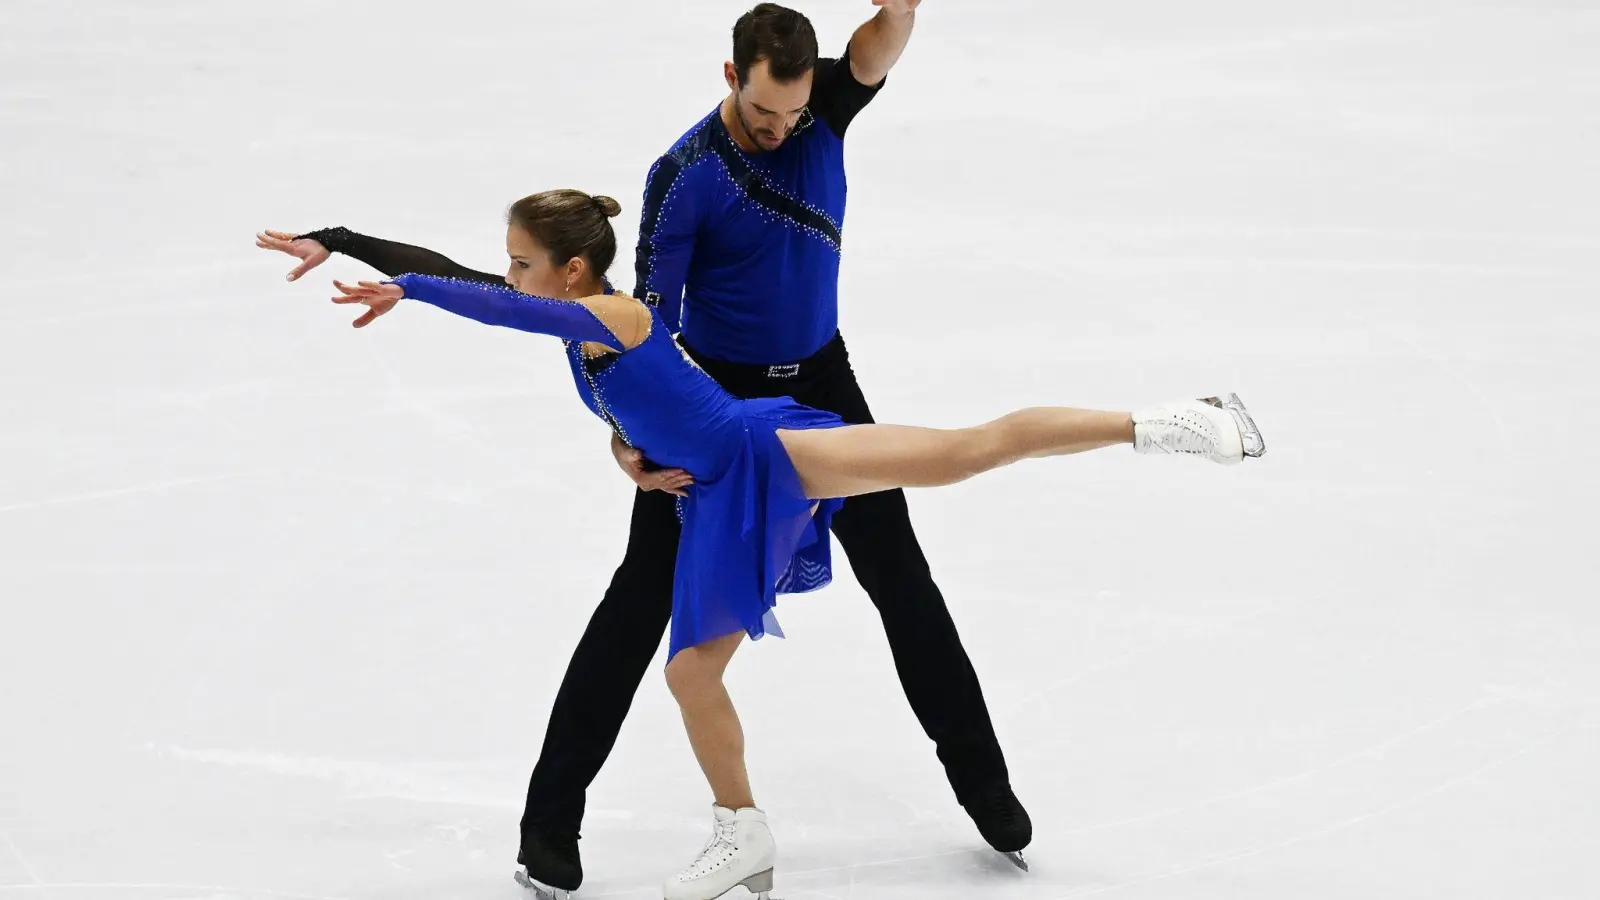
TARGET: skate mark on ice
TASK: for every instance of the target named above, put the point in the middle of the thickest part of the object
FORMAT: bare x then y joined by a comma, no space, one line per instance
445,425
153,487
422,782
1276,783
1438,789
1127,656
1385,235
391,858
1495,698
164,886
1442,362
1215,263
447,783
26,866
32,281
143,310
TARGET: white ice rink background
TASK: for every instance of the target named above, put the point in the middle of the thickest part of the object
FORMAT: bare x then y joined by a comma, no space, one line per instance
283,605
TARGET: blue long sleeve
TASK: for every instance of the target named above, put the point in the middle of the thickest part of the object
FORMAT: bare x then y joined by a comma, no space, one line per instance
669,222
497,305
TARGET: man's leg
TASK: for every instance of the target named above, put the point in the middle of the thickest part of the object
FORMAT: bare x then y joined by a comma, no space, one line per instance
607,667
875,532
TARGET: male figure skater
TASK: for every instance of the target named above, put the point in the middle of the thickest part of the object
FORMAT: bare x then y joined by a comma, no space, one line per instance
739,247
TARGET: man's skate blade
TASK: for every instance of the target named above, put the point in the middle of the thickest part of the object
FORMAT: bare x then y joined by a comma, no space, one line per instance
540,891
1015,857
1255,446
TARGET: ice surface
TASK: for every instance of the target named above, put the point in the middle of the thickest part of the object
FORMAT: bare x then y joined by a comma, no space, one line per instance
285,604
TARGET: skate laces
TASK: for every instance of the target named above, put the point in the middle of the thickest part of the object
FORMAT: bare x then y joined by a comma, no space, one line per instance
716,853
1184,431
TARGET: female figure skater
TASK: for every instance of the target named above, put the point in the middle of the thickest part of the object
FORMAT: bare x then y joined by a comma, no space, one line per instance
766,475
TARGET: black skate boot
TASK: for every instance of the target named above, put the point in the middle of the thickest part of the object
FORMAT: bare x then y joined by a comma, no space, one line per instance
551,867
1001,820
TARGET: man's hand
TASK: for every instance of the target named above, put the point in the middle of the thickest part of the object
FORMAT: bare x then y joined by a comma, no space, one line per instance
897,6
310,253
673,481
379,298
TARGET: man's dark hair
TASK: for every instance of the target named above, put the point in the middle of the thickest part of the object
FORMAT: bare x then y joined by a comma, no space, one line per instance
777,34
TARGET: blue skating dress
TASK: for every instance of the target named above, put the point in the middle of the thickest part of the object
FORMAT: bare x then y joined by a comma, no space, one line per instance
749,533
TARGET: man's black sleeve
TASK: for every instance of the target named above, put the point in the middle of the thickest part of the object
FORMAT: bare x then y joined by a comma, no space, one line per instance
836,95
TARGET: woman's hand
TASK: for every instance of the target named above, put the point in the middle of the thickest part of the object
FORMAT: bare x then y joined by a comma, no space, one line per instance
379,298
310,253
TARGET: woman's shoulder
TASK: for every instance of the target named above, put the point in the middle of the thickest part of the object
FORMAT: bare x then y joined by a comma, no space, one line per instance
613,300
625,317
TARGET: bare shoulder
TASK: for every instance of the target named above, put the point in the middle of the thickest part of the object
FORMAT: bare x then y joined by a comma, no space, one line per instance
626,317
620,305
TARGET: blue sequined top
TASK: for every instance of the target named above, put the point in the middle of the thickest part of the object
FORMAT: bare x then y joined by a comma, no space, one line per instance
653,396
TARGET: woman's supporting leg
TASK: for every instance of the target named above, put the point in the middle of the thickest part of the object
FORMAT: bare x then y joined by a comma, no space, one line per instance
864,459
741,849
695,677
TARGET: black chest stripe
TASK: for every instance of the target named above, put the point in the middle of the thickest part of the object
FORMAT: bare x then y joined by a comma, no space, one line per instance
757,189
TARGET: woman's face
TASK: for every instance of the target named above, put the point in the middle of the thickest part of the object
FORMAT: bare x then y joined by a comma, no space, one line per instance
531,271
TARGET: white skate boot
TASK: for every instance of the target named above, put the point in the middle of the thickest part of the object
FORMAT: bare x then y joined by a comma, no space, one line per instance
741,852
1220,430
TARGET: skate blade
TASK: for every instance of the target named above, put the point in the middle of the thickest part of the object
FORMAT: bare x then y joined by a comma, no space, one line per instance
759,885
541,891
1254,445
1015,856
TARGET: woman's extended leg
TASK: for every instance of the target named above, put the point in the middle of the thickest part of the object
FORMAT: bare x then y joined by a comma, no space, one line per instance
863,459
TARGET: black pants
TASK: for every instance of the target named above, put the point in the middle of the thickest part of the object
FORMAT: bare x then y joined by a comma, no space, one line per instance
874,531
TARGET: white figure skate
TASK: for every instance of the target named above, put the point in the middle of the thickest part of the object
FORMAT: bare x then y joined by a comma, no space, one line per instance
741,852
1220,430
540,890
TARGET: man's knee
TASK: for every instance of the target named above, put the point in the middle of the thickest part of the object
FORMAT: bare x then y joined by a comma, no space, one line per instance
637,602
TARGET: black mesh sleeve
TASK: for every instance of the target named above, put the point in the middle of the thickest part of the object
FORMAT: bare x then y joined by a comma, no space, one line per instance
393,258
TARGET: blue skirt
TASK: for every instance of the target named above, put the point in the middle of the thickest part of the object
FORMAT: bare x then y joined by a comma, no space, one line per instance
750,534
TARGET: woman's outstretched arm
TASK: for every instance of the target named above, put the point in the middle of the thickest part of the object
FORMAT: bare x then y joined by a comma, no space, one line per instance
389,257
598,319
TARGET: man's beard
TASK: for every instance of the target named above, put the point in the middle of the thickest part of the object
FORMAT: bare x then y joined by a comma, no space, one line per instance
751,133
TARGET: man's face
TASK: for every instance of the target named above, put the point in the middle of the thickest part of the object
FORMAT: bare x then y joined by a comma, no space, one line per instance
768,109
